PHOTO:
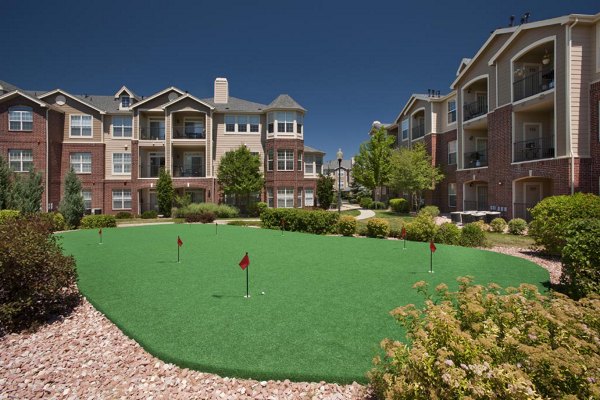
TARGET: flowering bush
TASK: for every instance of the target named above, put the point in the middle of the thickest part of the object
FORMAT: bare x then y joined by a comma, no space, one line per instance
347,225
488,343
421,229
378,227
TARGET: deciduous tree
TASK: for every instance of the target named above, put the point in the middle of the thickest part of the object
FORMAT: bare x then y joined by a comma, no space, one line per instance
239,174
372,166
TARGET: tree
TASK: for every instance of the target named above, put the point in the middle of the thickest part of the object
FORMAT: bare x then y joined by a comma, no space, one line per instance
413,172
372,166
239,174
26,195
71,205
325,191
6,184
164,193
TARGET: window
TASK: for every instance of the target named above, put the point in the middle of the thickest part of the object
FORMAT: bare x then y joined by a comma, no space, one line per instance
81,163
405,129
81,125
87,198
452,194
270,160
299,198
309,164
242,123
451,111
309,199
285,160
270,197
285,121
299,161
122,126
20,160
20,118
452,152
125,101
121,163
285,197
270,122
121,199
230,123
254,123
299,122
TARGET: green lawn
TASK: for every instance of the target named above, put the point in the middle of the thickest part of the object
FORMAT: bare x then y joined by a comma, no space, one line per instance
325,308
396,220
352,213
508,240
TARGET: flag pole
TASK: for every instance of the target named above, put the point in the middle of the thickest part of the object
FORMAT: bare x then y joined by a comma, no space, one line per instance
431,262
178,252
247,280
404,242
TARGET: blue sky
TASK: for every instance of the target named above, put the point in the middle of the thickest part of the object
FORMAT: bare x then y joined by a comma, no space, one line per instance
348,63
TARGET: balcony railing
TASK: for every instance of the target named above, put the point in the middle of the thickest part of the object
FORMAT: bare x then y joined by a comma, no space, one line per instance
472,205
150,172
475,109
189,132
534,149
476,159
180,172
533,84
152,133
418,131
521,210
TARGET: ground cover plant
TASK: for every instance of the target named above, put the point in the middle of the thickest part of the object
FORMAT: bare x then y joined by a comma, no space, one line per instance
325,308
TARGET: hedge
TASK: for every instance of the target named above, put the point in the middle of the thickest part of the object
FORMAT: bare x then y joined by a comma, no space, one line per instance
98,221
299,220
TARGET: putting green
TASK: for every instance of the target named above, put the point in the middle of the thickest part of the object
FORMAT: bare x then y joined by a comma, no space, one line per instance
325,308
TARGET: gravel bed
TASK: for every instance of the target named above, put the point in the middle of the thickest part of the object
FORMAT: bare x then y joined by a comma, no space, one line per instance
551,264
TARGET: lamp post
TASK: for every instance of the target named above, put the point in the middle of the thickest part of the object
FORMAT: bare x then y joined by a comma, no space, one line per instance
340,156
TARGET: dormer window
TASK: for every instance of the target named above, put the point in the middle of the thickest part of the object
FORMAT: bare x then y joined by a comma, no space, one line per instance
125,101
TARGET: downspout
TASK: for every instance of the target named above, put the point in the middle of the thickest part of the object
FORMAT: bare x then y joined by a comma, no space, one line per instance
568,102
47,166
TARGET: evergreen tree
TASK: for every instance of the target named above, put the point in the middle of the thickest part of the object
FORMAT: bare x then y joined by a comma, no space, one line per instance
6,184
239,174
26,194
372,166
325,191
165,193
72,206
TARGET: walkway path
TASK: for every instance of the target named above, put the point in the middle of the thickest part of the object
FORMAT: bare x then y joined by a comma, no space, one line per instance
364,214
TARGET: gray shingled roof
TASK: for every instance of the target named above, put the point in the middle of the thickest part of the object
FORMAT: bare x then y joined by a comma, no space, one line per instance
308,149
283,101
8,87
105,103
236,104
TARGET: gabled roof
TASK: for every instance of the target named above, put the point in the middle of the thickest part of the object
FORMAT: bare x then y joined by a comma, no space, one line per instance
236,105
285,102
8,87
463,63
81,99
187,96
21,93
414,97
308,149
129,92
172,88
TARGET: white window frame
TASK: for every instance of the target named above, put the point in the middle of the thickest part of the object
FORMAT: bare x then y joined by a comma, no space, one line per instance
288,164
122,101
405,129
80,126
450,195
285,197
245,124
270,198
87,198
455,152
309,197
450,111
288,121
299,197
20,115
300,160
309,162
81,162
120,163
22,159
120,197
270,160
122,127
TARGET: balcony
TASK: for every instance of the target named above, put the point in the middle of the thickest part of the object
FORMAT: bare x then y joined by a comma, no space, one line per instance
476,159
189,131
475,109
150,171
534,149
533,84
189,171
418,131
152,133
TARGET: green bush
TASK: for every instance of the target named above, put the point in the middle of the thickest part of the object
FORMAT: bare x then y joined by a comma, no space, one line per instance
448,233
204,216
56,221
36,280
378,205
552,215
581,258
472,235
399,205
482,225
517,226
366,202
421,229
124,215
498,225
220,210
6,214
488,343
260,207
98,221
298,220
347,225
362,230
378,227
433,211
150,214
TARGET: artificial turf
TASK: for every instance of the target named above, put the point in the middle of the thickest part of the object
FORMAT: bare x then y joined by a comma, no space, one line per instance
325,308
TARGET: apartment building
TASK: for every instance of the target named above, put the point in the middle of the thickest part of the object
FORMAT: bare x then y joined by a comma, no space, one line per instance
521,121
342,176
118,144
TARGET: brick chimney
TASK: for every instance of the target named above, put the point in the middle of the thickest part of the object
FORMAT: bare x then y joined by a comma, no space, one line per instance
221,91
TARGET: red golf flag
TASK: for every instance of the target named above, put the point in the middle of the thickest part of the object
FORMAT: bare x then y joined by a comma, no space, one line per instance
432,247
245,262
403,234
179,242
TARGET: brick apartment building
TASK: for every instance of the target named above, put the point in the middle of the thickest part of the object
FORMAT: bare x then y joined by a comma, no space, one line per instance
521,121
118,144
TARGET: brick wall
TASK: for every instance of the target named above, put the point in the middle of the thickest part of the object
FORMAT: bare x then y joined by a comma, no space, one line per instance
280,179
449,171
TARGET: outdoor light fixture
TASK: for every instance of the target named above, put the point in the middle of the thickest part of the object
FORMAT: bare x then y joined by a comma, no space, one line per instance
340,156
546,58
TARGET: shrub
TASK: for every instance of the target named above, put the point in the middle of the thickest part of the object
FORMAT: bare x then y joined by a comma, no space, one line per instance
204,216
124,215
220,210
378,227
149,214
552,215
361,230
488,343
433,211
71,206
378,205
347,225
581,258
260,207
482,225
498,225
399,205
421,229
299,220
448,233
254,209
36,280
8,214
55,220
98,221
517,226
366,202
473,236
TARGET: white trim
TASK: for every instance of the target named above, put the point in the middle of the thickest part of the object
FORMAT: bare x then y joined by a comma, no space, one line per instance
122,163
185,96
91,136
411,124
71,97
18,92
112,127
172,88
124,89
524,50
